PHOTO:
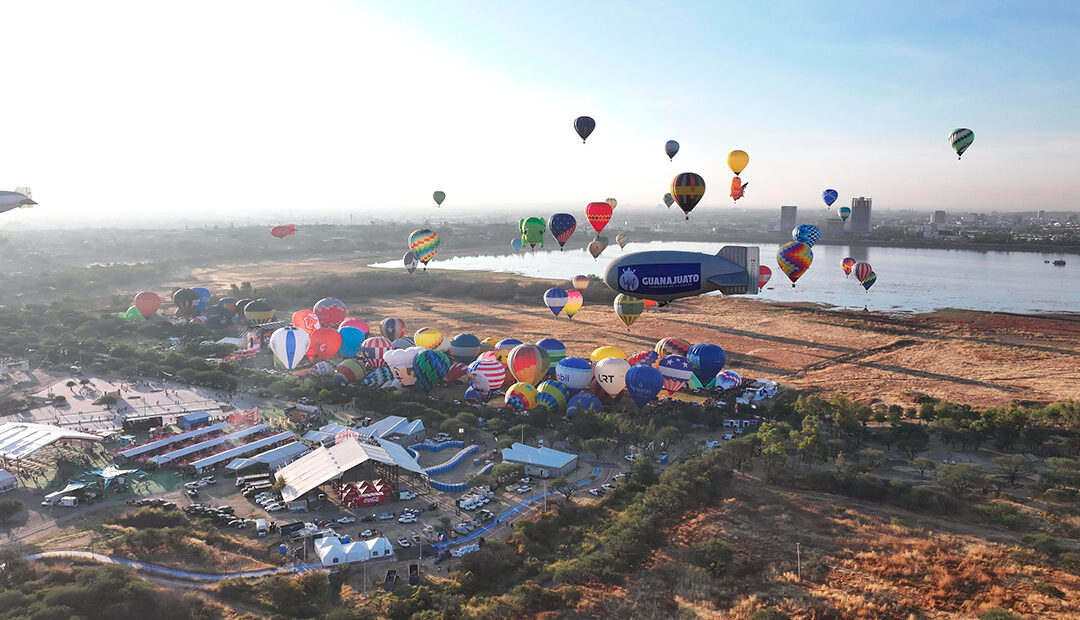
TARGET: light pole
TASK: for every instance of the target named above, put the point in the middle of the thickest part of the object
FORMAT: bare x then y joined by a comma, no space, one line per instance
798,559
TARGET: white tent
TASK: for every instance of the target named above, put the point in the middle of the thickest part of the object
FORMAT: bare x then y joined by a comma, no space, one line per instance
332,551
8,482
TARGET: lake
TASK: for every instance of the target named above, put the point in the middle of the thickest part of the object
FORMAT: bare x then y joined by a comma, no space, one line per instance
909,279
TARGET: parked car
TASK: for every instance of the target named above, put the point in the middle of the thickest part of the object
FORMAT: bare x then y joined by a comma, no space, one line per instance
403,542
192,493
228,509
596,492
386,516
369,518
187,485
274,508
416,539
630,457
346,520
208,480
524,488
607,486
367,533
728,436
407,519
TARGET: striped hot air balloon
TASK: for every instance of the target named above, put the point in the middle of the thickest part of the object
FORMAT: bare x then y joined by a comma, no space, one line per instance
528,363
556,350
350,371
424,243
687,189
373,349
868,281
676,371
574,301
392,328
672,346
581,282
555,299
562,227
486,375
960,139
862,271
289,346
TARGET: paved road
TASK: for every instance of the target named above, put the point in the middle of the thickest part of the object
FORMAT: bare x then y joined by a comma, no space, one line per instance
172,572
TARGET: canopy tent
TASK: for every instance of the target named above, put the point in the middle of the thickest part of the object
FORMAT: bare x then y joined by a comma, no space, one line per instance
110,473
19,440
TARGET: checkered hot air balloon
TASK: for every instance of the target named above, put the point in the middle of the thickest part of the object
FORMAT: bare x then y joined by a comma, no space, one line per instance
672,346
424,243
647,358
806,233
521,396
794,259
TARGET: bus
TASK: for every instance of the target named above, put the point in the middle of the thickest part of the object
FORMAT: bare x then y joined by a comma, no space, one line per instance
242,480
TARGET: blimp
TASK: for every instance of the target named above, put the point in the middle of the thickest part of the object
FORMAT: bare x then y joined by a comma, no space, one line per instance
16,199
666,275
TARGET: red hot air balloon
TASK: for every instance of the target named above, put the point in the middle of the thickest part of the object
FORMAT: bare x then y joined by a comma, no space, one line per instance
147,303
325,343
847,264
283,231
598,213
331,312
862,271
305,320
764,275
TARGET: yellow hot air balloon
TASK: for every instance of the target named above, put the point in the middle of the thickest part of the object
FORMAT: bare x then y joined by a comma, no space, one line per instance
737,160
428,337
605,352
612,202
488,344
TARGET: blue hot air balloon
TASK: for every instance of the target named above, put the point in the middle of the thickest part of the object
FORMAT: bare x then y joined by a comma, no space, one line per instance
465,348
584,402
576,373
204,297
643,383
555,299
351,339
707,360
556,350
830,196
515,244
562,226
507,343
806,233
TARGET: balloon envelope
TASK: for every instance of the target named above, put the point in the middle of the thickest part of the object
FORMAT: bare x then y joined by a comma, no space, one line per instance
556,350
325,343
669,200
465,347
424,243
486,375
727,379
605,352
351,339
647,358
844,213
532,231
289,345
187,301
581,282
392,328
555,299
862,271
521,396
622,239
794,259
737,160
806,233
643,383
374,350
584,126
671,148
506,344
516,244
847,265
676,371
628,308
610,374
672,346
869,280
306,320
556,393
147,303
428,337
528,363
575,373
283,231
960,139
562,227
830,196
360,324
258,312
429,368
687,189
597,246
350,371
764,275
583,402
439,198
204,297
574,301
707,360
598,213
410,261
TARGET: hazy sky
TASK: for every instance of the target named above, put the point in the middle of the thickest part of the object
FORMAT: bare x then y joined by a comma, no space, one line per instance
300,107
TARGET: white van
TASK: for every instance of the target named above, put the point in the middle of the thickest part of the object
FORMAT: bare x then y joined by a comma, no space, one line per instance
260,527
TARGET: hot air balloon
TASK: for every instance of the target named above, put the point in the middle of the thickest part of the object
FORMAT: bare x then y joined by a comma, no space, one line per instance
392,328
643,383
305,320
669,200
672,346
424,244
515,244
584,402
555,300
562,226
283,231
229,305
687,189
737,160
844,213
794,259
622,239
258,312
676,371
147,303
628,308
360,324
473,396
806,233
521,396
400,363
556,391
581,282
289,345
374,349
584,127
647,357
240,305
403,343
556,351
612,202
960,140
598,213
847,264
738,189
132,315
598,245
707,360
727,379
576,373
862,270
331,312
606,351
764,275
671,148
829,196
439,198
465,347
204,298
429,368
428,337
610,374
186,301
455,373
868,281
350,371
506,344
351,340
532,231
379,377
325,343
574,301
528,363
486,375
410,261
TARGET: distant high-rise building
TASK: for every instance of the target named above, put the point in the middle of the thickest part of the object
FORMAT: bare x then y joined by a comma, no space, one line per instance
1042,214
788,219
938,217
834,228
860,214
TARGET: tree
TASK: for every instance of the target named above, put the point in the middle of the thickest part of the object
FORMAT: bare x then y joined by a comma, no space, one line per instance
960,479
279,484
9,508
871,458
1013,467
714,555
596,447
775,456
563,487
922,464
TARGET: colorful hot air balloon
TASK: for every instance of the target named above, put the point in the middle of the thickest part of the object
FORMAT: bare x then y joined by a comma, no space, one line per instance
676,371
400,362
289,344
186,301
465,347
486,375
671,148
622,239
351,340
439,198
738,189
325,343
379,377
283,231
506,344
868,281
350,371
581,282
532,231
606,351
562,227
429,368
687,189
557,392
806,233
598,245
610,374
410,261
844,213
737,160
647,357
528,363
392,328
829,196
584,126
428,337
360,324
628,308
374,349
598,214
424,244
574,301
331,312
258,312
611,201
794,259
229,305
555,300
847,264
147,303
862,270
672,346
669,199
727,379
516,244
960,140
521,396
556,350
576,373
764,275
584,402
707,360
643,383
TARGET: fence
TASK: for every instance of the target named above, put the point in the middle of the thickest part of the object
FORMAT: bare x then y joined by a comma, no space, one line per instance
453,462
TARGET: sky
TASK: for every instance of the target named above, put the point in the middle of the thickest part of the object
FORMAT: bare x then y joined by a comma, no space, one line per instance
139,110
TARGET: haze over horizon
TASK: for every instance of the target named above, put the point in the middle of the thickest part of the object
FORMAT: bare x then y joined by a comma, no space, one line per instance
219,111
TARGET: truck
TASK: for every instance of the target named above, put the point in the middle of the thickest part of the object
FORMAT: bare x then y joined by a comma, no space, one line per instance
69,500
414,574
251,478
406,495
260,527
52,498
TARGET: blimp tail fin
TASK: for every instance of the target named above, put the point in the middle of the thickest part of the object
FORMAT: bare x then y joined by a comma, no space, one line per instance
744,282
